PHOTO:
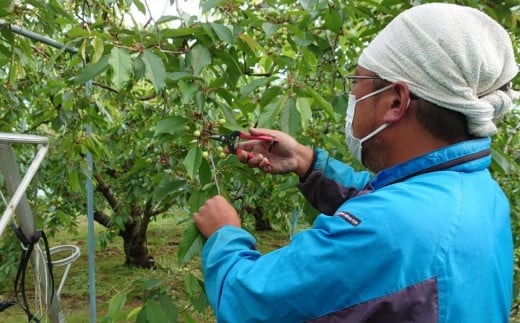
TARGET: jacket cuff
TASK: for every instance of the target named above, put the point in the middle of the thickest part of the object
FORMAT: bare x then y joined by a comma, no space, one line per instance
311,167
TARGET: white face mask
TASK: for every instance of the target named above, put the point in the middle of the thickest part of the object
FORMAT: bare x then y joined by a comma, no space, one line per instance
355,145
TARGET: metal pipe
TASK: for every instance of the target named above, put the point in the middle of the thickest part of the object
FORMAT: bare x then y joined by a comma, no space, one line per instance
6,137
37,37
91,240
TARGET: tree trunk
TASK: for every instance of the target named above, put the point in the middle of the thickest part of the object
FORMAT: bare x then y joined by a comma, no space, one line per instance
135,241
261,224
135,227
136,250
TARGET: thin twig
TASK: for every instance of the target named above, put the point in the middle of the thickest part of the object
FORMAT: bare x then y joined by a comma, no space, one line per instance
214,174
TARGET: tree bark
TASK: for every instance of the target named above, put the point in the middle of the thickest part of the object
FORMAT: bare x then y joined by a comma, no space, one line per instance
135,241
136,248
261,224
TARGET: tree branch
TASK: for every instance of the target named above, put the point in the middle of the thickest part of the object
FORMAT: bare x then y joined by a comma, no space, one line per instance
106,87
103,219
105,189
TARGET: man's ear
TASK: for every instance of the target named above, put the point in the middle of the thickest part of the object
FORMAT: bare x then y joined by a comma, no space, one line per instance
399,104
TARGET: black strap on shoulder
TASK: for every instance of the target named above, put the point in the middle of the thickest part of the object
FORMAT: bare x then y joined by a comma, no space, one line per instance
28,247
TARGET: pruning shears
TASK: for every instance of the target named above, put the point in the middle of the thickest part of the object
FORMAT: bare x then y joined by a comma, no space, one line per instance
232,140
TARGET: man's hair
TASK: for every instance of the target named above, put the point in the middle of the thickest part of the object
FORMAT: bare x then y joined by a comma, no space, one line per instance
448,125
445,124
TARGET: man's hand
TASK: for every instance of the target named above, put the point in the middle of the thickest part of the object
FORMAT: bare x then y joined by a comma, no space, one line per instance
214,214
287,155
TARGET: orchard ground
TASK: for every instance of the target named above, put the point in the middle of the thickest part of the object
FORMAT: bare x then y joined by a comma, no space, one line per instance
114,278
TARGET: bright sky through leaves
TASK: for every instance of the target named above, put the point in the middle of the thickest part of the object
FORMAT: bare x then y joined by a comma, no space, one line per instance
159,8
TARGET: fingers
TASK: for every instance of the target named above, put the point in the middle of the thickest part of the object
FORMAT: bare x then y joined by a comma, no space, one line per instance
254,160
214,214
196,218
251,145
265,165
257,147
263,132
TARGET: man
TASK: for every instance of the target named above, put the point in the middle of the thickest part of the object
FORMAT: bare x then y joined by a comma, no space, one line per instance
427,239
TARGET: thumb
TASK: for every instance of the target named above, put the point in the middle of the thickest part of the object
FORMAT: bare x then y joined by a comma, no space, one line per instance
262,132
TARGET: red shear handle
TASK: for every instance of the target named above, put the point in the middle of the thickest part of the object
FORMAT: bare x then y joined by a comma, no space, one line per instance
244,135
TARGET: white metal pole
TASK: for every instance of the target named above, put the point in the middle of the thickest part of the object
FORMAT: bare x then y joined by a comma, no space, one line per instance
25,219
19,192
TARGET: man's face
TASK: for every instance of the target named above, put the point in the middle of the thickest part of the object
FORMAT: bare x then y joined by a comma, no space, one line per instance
364,117
367,118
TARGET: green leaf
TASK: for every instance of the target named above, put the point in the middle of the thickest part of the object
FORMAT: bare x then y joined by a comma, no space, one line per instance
99,48
154,70
269,29
332,20
141,317
200,58
116,305
165,19
505,164
233,69
170,125
133,313
74,183
192,161
170,188
140,6
121,65
223,32
139,69
190,245
205,175
251,42
210,4
182,32
151,284
310,59
270,94
196,200
327,107
91,70
175,76
304,107
339,104
290,120
191,285
265,120
188,90
255,84
77,32
169,308
154,313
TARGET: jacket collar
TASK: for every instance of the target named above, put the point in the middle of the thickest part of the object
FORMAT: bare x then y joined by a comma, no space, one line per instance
468,156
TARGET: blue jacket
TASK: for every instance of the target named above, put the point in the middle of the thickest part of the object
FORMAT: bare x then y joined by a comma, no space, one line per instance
428,240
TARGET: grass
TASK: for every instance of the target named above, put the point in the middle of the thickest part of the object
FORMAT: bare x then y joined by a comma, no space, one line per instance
114,278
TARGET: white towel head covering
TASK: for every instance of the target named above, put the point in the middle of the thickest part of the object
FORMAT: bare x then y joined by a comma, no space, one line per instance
454,56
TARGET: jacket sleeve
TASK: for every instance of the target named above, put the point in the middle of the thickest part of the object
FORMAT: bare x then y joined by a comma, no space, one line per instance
330,182
243,285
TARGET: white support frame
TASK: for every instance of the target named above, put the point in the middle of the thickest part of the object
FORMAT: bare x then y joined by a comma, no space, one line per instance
5,140
19,205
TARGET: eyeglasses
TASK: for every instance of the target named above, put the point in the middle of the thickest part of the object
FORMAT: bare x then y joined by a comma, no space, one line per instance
349,79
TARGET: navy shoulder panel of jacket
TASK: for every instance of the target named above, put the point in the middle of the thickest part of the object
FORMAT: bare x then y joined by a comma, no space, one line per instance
329,183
